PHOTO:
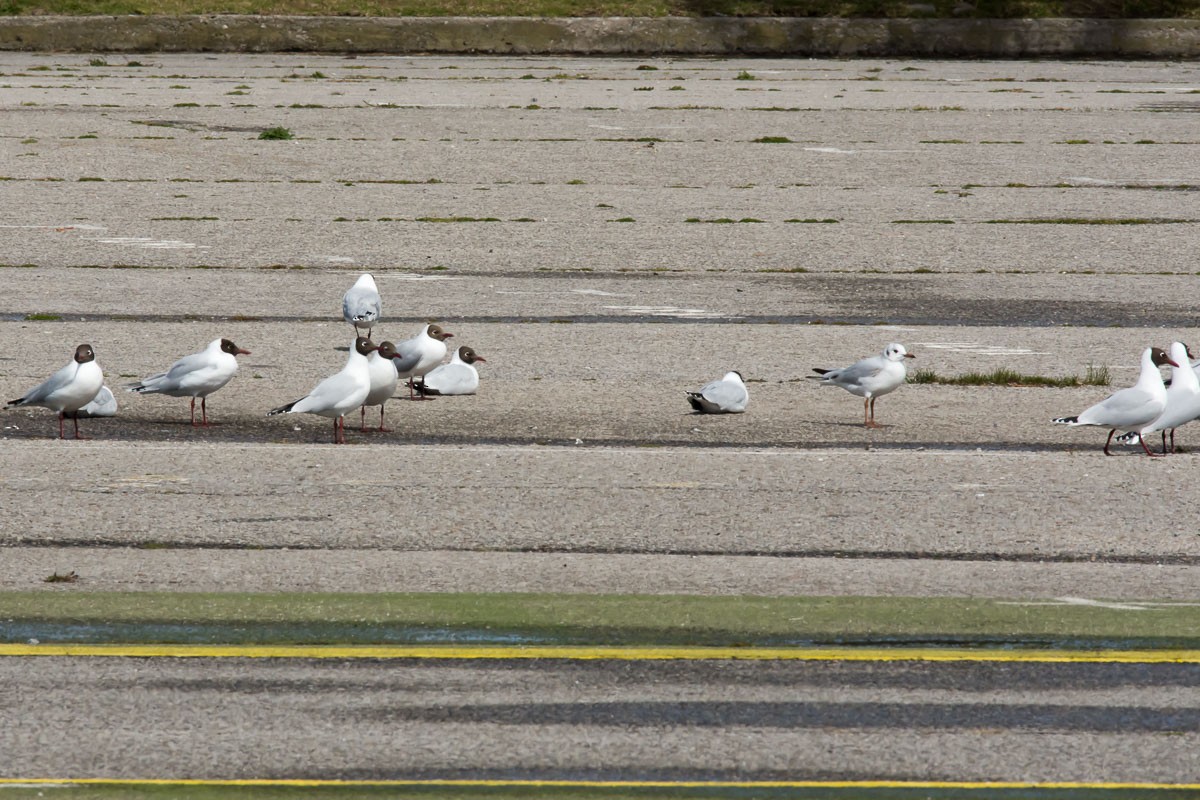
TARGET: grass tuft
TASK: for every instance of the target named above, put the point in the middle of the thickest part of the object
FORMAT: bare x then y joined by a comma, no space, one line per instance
1095,376
277,132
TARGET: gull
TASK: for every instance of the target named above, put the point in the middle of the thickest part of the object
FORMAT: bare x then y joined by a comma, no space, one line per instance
102,405
382,371
418,355
1183,400
870,378
457,377
361,305
339,393
1129,409
68,390
197,375
725,396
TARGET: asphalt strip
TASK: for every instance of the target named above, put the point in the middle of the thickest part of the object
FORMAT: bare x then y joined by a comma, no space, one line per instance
584,653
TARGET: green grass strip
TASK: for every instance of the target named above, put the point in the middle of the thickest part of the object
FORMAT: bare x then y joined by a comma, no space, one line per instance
66,615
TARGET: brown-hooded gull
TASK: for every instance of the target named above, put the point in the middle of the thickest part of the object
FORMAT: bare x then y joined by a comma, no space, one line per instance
68,390
197,375
457,377
417,356
339,393
382,370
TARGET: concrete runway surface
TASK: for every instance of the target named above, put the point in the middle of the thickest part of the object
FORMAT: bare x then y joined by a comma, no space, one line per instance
608,233
599,720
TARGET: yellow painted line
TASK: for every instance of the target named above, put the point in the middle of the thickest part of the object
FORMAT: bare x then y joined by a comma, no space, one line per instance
582,652
584,784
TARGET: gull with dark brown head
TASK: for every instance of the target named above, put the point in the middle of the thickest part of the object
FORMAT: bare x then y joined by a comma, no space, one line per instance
67,390
457,377
415,357
339,393
197,375
382,370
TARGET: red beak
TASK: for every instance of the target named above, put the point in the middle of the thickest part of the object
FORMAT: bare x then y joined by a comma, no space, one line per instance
242,352
1172,363
909,355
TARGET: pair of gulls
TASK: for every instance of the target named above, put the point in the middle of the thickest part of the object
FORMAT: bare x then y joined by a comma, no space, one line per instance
1149,405
869,378
78,391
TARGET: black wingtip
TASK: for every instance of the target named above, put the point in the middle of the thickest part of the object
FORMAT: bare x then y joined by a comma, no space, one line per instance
820,371
694,399
282,409
1066,420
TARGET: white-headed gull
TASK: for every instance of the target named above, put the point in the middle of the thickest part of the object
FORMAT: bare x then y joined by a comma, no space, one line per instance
1183,401
870,378
417,356
382,371
725,396
197,375
457,377
339,393
104,404
1129,409
361,305
68,390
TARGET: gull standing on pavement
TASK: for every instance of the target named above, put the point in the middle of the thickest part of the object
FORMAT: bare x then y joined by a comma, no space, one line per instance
1128,409
197,375
382,370
725,396
68,390
339,393
870,378
457,377
417,356
361,305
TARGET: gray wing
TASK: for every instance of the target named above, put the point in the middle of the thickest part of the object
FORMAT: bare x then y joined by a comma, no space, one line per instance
452,379
361,305
857,372
408,355
724,394
1124,403
170,380
47,387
